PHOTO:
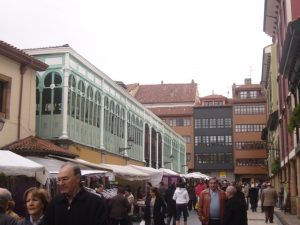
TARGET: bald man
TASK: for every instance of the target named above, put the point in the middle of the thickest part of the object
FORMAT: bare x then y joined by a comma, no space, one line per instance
5,219
234,213
74,206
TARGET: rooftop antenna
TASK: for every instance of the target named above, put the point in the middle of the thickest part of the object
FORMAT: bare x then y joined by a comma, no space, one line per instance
251,70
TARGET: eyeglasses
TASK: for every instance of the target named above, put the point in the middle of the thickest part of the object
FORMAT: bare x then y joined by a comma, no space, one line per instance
60,180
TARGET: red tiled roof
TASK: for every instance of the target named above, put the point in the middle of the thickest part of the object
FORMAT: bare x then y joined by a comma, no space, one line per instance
172,111
21,57
34,145
166,93
130,87
213,96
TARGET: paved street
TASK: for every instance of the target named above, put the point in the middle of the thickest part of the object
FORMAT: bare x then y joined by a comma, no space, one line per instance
254,218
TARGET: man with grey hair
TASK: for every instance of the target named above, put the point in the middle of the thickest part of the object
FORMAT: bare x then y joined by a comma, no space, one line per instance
234,213
5,219
74,205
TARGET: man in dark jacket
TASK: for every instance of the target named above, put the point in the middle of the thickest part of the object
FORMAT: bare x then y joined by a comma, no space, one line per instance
119,208
74,206
5,219
234,213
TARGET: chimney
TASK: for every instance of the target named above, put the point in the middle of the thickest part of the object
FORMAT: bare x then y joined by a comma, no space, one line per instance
247,80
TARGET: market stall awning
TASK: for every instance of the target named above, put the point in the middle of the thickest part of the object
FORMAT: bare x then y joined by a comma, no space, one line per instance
155,175
54,165
196,175
168,172
83,162
12,164
127,172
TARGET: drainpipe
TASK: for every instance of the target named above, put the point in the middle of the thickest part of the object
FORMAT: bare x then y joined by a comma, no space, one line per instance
22,72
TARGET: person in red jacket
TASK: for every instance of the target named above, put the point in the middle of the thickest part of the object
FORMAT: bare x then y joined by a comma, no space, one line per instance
200,186
211,204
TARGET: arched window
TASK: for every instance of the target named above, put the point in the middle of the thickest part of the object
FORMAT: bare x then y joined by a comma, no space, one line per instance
122,125
141,132
132,132
137,131
72,96
106,118
52,93
80,100
89,106
128,125
112,116
37,96
97,109
118,120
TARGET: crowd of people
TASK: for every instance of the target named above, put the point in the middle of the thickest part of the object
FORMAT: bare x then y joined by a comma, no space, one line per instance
216,203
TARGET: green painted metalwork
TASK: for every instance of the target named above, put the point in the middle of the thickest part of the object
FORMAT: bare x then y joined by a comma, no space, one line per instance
97,109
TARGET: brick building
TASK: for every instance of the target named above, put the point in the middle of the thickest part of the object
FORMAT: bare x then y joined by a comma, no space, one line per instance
249,119
173,103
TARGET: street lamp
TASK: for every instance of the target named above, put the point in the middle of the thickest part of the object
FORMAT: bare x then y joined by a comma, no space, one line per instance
129,144
2,122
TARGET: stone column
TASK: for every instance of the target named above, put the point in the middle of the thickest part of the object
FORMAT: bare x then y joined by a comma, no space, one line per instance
64,134
150,146
143,142
102,147
157,150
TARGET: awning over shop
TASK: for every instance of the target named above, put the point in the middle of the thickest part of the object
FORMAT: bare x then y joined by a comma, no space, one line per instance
54,165
124,172
168,172
155,175
83,162
127,172
12,164
196,175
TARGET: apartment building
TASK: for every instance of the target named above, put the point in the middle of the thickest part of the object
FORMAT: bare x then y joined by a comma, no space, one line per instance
173,103
281,22
213,137
249,119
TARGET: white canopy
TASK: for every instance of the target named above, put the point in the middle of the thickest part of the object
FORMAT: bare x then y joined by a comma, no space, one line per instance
168,172
108,171
54,165
155,175
196,175
12,164
127,172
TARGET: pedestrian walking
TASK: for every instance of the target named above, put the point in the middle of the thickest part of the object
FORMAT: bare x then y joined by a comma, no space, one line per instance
181,197
234,212
162,190
171,204
211,204
130,198
75,205
118,207
268,201
253,196
155,208
36,201
5,197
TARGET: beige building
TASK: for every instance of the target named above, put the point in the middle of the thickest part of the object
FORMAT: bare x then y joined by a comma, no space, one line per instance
17,93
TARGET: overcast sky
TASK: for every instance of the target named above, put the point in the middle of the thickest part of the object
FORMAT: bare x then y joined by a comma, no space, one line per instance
214,42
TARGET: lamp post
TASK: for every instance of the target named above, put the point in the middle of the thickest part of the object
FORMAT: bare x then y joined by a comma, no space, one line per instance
129,145
2,122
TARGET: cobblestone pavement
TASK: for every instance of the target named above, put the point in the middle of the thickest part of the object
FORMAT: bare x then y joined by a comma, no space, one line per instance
258,218
254,218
